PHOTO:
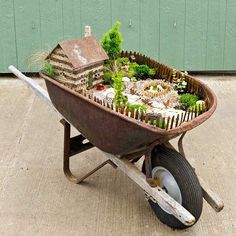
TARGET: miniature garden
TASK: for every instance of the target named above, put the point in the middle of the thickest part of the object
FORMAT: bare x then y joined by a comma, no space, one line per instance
137,91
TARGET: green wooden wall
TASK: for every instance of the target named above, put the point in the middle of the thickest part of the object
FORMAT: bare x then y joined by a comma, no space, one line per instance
186,34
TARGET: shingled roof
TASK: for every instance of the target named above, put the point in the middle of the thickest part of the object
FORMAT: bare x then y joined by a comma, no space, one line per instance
83,52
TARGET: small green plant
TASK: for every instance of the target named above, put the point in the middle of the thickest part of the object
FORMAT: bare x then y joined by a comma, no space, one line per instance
130,73
189,99
119,99
122,61
107,78
140,107
48,69
143,71
161,124
111,42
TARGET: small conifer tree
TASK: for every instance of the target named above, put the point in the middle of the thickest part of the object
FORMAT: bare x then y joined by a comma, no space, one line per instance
112,40
119,99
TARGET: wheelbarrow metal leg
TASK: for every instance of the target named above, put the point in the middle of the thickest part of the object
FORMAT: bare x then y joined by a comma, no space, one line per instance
211,197
180,144
148,168
73,146
77,180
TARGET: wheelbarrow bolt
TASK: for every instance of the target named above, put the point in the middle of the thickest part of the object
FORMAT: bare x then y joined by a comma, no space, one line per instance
149,197
151,182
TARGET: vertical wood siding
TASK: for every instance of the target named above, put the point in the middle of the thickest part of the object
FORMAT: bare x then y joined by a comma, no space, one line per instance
186,34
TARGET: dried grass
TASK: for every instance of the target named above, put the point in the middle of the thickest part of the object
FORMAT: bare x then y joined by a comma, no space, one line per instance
37,60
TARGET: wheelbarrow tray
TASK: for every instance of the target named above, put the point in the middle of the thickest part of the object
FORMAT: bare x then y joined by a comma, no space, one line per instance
113,132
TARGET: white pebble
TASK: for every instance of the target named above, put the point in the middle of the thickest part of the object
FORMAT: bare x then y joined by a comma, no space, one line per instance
125,79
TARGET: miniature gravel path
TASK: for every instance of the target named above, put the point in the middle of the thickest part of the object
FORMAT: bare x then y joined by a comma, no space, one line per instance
36,198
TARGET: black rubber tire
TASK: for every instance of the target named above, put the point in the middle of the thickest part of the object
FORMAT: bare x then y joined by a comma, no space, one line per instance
187,181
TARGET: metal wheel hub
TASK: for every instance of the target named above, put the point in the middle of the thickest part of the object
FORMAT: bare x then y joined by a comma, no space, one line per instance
167,182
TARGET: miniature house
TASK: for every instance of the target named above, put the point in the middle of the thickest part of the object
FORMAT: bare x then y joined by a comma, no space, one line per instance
77,61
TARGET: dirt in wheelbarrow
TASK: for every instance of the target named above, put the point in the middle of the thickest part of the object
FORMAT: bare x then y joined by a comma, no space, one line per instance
36,198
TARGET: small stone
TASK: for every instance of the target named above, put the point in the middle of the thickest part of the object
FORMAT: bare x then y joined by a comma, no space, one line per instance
126,79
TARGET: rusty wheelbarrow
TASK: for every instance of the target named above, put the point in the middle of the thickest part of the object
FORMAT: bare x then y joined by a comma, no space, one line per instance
170,183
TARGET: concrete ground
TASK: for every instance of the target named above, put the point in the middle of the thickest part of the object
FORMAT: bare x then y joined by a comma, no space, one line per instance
36,198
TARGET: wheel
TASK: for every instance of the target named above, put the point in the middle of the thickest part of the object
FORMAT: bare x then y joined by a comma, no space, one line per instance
175,175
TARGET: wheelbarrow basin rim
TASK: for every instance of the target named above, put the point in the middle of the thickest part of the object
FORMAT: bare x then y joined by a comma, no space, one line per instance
175,131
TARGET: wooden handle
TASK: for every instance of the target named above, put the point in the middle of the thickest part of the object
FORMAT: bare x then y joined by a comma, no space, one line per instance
34,86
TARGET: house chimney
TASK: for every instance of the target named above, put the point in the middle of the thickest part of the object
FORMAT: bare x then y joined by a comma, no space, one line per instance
87,31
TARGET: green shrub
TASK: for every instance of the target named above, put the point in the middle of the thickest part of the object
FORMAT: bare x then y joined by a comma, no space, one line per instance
107,77
189,99
143,71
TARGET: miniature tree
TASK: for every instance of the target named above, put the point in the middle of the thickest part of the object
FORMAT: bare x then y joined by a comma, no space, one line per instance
119,99
111,42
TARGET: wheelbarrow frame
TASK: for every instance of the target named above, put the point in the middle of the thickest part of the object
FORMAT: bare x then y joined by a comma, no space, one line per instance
76,145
